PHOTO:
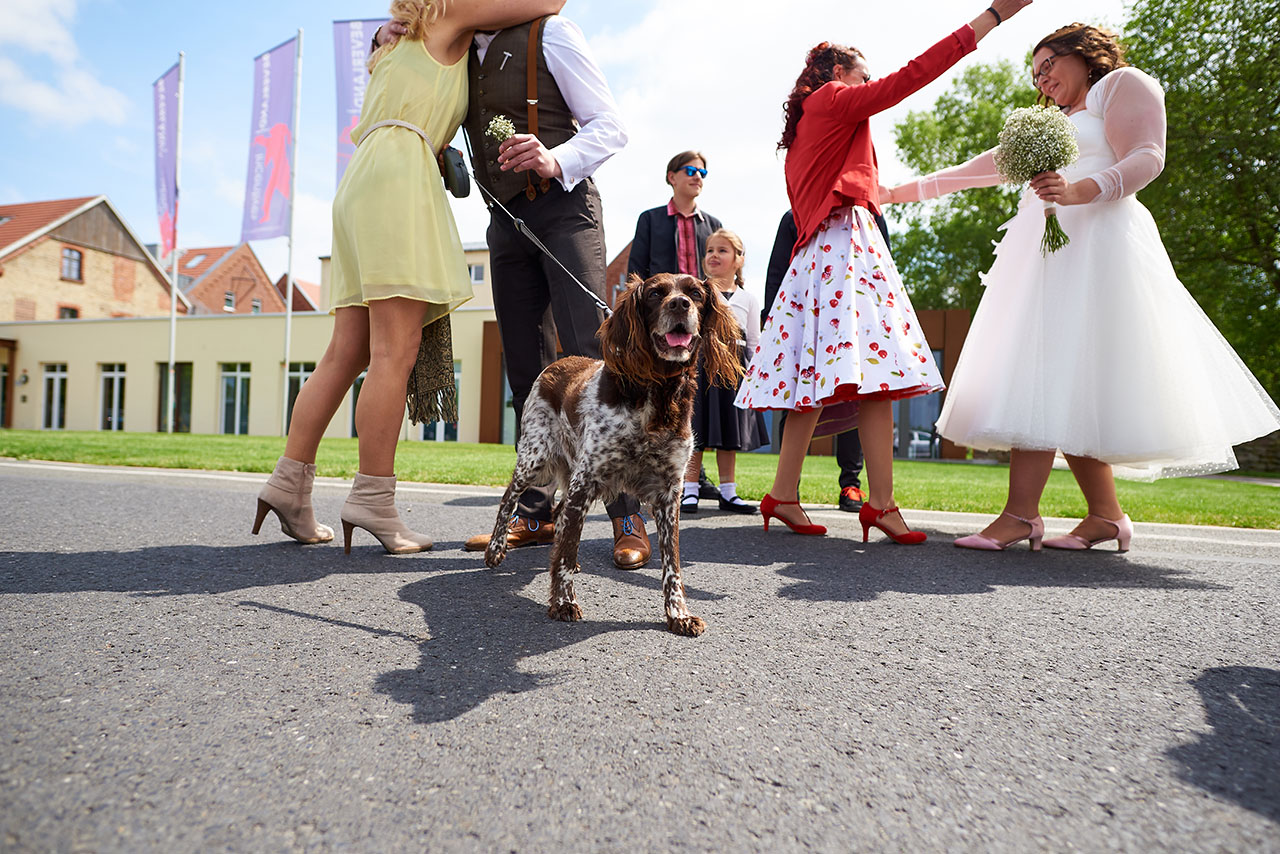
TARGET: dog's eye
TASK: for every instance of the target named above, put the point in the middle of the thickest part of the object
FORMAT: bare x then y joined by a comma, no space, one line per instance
653,294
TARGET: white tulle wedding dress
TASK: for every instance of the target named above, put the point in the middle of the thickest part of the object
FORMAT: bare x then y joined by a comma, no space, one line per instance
1098,350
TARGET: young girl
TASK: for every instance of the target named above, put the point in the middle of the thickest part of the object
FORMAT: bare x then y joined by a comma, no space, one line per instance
841,332
717,423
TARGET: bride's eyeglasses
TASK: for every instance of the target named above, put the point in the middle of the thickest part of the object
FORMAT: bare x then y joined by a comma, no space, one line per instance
1045,68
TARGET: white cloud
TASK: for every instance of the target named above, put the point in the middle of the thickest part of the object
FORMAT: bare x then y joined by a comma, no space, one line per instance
71,95
40,27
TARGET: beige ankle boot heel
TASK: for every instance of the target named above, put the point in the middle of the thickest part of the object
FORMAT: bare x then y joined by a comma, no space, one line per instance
372,506
288,493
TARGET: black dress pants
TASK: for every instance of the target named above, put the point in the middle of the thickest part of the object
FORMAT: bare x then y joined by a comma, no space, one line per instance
535,300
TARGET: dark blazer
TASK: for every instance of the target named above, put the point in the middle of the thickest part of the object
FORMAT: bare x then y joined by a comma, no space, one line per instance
653,250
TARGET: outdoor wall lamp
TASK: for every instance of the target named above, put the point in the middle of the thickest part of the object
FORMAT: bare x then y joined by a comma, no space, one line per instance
23,379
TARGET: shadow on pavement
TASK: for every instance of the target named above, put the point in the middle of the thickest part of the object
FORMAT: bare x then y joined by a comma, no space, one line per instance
178,570
1240,760
840,568
484,622
871,572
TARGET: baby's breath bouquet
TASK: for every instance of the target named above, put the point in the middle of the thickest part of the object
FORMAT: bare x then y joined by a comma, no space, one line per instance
500,129
1034,140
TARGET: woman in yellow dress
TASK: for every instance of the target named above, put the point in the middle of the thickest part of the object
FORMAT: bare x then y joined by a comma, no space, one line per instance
397,263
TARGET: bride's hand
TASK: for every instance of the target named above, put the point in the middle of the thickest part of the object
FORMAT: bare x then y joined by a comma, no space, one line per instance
1052,187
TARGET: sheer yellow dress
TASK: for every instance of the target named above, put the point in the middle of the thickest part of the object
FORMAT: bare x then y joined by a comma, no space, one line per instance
393,230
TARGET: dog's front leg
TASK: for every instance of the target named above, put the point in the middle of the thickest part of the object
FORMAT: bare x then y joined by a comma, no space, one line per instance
563,604
679,620
497,548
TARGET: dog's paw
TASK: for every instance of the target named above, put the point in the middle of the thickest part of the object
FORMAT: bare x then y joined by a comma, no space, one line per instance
566,612
493,555
689,626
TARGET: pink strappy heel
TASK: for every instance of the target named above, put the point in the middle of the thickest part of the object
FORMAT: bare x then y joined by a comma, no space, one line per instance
1075,542
985,543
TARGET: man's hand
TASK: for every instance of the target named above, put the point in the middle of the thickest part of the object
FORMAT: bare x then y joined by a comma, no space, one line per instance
524,152
390,32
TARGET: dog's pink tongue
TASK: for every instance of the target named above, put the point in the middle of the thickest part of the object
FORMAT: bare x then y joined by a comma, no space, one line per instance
678,339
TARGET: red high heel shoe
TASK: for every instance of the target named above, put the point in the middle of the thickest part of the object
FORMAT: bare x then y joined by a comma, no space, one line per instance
768,508
870,518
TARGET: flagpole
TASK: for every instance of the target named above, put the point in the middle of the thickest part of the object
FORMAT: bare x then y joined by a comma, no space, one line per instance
293,207
173,280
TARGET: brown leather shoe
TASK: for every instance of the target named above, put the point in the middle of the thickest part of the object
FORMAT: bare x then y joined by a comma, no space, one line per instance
630,542
522,532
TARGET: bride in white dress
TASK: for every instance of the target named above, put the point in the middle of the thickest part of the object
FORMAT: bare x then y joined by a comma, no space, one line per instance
1097,350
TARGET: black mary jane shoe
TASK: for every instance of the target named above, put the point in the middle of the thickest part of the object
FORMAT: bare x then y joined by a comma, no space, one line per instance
688,505
738,506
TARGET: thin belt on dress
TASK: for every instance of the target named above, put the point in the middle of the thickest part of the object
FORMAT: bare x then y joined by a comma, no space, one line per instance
399,124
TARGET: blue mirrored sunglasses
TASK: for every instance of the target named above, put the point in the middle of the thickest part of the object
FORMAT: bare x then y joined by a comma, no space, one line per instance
694,170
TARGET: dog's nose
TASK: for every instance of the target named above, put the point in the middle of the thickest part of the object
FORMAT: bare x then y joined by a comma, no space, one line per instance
681,303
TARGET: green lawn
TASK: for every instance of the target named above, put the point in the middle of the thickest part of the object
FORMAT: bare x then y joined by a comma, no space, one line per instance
924,485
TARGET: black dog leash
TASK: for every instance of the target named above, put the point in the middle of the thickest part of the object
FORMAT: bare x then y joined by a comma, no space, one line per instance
533,238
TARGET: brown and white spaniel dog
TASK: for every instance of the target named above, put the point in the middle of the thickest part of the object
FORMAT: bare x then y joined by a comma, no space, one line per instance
598,428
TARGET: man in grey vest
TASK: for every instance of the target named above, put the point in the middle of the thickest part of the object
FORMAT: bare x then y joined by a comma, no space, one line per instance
541,77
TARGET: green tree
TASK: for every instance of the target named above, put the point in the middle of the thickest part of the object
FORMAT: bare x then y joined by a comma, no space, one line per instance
1217,203
948,242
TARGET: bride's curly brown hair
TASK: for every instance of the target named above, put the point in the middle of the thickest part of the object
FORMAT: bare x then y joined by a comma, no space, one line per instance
1100,49
417,16
819,69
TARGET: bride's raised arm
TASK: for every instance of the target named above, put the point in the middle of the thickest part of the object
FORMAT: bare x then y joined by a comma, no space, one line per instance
978,172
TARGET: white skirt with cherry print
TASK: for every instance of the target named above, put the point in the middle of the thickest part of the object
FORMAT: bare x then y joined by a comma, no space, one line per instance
841,328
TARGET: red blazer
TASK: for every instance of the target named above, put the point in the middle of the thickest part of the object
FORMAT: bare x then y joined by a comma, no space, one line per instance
832,164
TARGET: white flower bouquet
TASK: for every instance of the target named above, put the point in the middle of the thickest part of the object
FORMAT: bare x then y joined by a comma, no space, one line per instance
500,129
1034,140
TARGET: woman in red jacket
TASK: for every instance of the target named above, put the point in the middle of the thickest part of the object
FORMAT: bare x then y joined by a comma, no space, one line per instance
842,341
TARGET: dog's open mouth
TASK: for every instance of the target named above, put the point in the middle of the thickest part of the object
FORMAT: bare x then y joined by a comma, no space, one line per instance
674,344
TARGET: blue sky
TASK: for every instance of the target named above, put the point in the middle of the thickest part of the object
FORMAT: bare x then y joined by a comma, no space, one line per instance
76,77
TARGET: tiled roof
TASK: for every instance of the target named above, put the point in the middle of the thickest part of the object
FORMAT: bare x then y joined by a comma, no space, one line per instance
306,295
22,220
196,262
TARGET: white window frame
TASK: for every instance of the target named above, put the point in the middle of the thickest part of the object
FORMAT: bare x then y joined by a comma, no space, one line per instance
54,386
476,272
240,374
113,373
229,301
67,254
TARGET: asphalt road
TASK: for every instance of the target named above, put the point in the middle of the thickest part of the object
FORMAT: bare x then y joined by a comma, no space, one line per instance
169,682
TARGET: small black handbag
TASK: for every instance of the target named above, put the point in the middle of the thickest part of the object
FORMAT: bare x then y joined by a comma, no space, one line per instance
454,170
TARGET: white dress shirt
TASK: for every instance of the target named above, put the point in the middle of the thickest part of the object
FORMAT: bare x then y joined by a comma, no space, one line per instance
601,133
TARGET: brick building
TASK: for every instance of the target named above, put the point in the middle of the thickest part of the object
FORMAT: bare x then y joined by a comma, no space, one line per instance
228,280
76,258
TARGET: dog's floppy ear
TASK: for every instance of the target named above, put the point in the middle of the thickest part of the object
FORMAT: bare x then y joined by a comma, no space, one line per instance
624,336
720,335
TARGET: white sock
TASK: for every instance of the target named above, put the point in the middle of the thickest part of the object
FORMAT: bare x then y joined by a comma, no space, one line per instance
690,489
729,491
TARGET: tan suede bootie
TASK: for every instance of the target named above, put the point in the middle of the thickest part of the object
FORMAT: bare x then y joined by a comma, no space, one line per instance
372,506
288,493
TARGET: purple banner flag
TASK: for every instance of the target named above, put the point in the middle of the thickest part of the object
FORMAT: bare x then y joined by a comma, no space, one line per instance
268,195
166,102
351,52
